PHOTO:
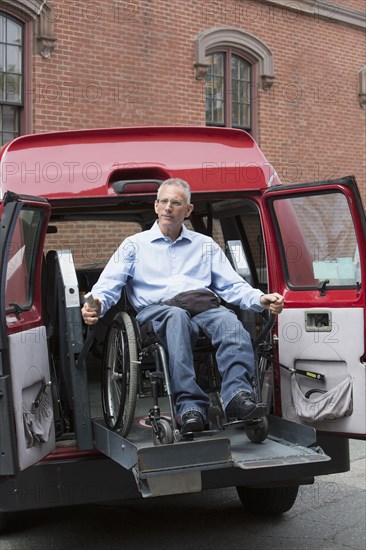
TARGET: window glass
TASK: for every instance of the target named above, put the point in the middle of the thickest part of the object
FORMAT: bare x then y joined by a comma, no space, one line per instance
2,58
318,240
14,32
11,77
13,59
9,122
238,219
253,230
22,259
240,92
2,28
215,90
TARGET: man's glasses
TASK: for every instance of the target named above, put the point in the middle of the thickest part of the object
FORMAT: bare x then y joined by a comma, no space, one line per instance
174,203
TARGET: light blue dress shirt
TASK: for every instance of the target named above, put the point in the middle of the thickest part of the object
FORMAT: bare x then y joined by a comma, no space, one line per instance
154,268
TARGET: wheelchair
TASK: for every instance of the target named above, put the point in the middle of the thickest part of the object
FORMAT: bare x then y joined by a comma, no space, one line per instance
135,365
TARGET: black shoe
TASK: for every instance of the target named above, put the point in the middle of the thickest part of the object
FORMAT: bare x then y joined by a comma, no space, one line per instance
242,407
192,421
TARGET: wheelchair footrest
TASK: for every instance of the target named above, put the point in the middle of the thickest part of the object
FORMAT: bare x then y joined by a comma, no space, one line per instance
189,436
258,413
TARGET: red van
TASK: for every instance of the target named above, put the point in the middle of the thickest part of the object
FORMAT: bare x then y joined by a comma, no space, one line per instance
67,201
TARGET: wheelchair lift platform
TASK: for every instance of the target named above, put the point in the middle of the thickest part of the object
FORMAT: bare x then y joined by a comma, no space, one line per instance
230,455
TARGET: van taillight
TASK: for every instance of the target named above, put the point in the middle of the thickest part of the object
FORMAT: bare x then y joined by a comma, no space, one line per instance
136,186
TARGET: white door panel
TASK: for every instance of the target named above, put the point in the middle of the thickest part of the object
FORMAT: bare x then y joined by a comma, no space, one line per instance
35,431
334,353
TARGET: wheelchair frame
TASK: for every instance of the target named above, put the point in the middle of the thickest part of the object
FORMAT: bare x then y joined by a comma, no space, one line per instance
123,379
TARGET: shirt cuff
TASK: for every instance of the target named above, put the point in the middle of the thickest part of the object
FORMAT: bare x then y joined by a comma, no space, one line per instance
254,304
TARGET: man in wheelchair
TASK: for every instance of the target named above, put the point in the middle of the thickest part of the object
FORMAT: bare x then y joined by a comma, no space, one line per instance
167,260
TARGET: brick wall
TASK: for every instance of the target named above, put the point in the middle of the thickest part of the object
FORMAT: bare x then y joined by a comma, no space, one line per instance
91,243
131,63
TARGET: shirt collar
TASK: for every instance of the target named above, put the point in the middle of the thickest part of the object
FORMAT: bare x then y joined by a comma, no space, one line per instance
156,234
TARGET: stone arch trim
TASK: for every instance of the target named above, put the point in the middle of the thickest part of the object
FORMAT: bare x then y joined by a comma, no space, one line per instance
362,87
39,11
249,44
30,8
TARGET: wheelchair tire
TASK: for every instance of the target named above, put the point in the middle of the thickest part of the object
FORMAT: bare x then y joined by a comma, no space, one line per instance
165,433
257,432
119,374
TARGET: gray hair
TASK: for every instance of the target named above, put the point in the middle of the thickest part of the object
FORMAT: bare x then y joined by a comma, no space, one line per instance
179,182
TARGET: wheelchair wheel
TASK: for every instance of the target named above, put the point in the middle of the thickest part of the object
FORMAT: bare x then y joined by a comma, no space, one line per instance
257,431
165,433
119,375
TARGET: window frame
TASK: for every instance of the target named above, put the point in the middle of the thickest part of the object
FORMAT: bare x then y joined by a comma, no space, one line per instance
25,107
248,46
28,263
18,105
285,255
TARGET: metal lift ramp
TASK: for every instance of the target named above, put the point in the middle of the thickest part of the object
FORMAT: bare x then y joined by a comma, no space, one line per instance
178,467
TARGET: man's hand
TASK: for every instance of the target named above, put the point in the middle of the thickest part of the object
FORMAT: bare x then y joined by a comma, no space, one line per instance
91,314
274,302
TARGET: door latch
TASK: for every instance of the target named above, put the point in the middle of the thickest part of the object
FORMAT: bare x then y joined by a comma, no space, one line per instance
318,321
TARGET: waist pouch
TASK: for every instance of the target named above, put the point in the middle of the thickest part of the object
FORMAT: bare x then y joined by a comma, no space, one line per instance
194,301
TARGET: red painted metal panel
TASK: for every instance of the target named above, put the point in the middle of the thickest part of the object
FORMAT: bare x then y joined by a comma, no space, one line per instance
84,163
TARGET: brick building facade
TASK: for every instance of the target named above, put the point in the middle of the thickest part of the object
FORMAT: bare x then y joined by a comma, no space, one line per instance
109,63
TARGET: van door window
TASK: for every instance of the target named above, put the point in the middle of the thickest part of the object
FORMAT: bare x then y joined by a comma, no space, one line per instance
318,241
239,219
22,260
255,243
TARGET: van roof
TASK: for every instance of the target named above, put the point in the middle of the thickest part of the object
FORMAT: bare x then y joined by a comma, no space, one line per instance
88,163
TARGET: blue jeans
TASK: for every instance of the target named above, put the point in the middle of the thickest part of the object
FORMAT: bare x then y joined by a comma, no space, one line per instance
178,331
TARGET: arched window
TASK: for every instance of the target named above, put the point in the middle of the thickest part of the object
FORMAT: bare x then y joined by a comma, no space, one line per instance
26,29
11,77
235,65
228,90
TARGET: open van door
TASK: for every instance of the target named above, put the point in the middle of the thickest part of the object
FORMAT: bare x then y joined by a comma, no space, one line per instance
316,246
26,412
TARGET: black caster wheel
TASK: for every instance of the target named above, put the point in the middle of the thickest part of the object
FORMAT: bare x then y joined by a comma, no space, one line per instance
164,436
257,431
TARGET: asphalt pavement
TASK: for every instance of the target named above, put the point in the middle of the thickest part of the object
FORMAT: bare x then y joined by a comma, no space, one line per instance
328,515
